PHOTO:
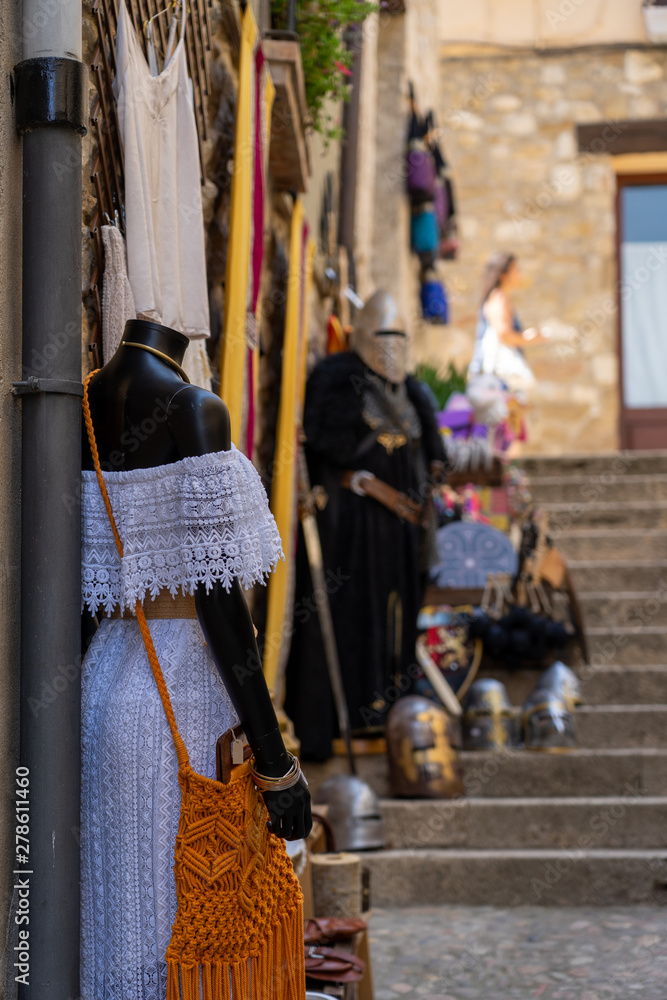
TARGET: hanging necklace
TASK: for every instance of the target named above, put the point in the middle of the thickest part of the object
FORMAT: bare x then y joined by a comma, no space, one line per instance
165,357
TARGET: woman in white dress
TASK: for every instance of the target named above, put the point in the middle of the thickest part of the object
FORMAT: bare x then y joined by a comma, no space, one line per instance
500,342
194,520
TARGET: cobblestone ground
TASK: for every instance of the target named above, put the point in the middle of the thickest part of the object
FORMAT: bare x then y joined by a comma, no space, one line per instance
482,953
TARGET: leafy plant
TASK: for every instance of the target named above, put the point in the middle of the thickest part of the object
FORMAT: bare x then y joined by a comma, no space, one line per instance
321,25
441,386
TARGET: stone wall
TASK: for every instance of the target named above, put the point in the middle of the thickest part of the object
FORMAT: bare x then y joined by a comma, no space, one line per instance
541,22
509,130
10,468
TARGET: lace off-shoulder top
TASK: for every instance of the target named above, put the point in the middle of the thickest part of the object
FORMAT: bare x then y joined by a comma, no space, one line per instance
204,519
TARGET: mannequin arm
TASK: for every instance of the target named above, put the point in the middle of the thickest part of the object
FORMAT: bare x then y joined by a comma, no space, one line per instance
227,626
199,424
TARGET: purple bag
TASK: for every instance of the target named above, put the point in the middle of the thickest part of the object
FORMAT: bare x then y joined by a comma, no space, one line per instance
420,171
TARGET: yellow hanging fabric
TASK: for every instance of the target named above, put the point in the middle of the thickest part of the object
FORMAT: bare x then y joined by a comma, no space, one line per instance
233,355
266,105
267,111
283,492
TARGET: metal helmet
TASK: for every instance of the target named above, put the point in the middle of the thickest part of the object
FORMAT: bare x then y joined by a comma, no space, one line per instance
489,721
379,338
354,813
422,743
563,683
548,723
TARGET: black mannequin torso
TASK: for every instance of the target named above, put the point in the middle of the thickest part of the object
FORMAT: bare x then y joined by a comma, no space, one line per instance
144,415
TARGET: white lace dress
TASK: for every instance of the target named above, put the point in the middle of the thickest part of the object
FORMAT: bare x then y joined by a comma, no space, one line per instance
200,520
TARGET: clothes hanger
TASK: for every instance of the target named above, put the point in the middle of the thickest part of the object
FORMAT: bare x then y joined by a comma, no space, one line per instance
116,221
152,46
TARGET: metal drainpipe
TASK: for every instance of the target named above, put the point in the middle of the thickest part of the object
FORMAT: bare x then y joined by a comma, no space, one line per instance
51,112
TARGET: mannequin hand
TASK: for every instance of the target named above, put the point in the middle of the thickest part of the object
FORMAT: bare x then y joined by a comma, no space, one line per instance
289,811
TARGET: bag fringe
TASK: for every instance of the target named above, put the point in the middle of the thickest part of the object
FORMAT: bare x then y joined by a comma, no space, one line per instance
276,972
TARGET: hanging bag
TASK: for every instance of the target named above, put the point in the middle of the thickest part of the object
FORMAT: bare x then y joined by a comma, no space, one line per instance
435,307
238,931
420,171
424,234
420,165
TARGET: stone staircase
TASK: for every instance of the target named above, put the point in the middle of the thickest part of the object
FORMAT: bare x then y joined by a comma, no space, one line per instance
587,827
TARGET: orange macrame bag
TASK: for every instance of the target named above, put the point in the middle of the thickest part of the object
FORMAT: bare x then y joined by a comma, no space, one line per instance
238,932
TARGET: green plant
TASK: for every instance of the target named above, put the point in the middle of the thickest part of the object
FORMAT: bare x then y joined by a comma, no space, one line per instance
326,58
441,386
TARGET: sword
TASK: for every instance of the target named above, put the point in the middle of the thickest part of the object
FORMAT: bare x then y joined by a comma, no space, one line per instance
308,502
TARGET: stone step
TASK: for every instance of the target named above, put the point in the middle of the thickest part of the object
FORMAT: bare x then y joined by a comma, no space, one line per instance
621,726
609,468
635,644
625,608
644,514
630,575
517,877
645,684
525,773
613,544
628,821
590,489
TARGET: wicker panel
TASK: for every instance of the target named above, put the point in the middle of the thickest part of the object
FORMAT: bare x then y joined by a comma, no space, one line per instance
107,175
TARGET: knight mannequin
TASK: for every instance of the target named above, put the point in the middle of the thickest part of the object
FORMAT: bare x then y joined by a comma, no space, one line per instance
373,445
145,416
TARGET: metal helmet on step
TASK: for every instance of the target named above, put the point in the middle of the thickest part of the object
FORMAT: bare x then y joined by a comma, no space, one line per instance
563,682
489,721
422,745
547,722
354,813
379,337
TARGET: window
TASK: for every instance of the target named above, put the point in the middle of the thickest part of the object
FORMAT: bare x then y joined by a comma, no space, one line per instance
643,284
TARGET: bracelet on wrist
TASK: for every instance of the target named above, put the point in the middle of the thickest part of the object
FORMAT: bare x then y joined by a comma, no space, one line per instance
265,783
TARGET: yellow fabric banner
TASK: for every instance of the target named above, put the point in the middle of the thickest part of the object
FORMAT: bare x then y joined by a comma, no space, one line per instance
283,488
233,355
269,97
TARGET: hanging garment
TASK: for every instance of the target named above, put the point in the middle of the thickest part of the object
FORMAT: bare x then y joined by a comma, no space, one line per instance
163,207
199,520
117,299
196,364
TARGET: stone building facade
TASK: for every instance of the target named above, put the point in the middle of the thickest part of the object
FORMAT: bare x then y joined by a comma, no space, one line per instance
510,86
510,131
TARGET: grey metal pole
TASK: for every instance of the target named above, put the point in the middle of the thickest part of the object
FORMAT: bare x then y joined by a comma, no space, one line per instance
51,106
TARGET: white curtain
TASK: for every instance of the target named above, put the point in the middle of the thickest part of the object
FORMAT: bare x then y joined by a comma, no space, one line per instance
644,324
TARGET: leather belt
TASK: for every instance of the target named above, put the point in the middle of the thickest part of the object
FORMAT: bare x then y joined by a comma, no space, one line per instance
164,606
364,483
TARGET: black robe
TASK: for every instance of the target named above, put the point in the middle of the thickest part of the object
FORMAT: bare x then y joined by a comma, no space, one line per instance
374,561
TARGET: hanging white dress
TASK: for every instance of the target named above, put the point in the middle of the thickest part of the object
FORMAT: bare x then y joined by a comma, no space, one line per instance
117,299
199,520
163,207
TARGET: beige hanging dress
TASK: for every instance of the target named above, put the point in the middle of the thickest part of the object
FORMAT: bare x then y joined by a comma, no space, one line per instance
163,206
